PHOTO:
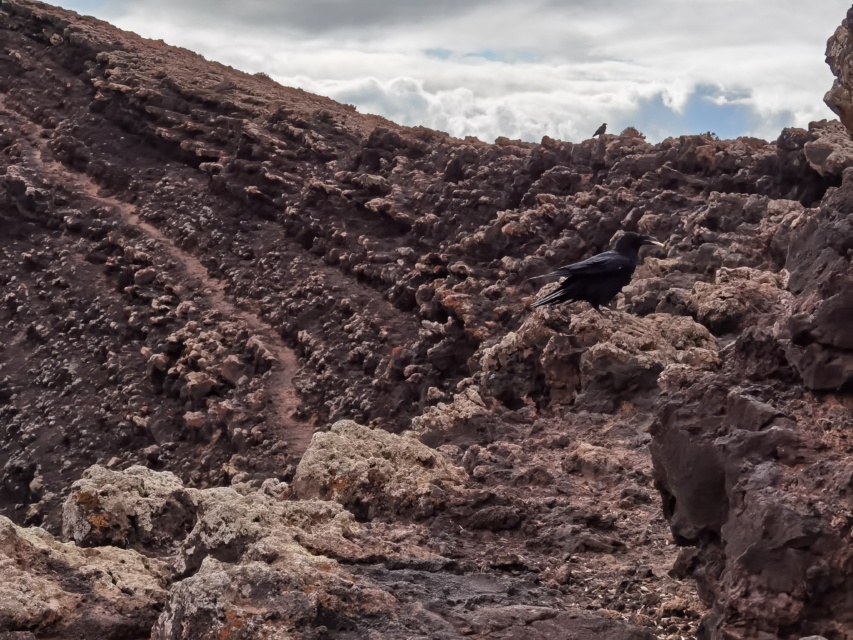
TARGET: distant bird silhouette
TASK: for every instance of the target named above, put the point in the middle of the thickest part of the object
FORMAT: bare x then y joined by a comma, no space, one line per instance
598,279
600,131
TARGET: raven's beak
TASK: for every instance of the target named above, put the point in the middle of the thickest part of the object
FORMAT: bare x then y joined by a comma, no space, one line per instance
655,243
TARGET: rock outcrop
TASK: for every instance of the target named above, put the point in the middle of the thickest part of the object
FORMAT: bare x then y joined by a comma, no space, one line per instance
55,589
589,361
822,283
371,471
839,57
253,563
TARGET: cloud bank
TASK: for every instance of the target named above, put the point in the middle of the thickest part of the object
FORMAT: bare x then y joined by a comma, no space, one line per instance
524,70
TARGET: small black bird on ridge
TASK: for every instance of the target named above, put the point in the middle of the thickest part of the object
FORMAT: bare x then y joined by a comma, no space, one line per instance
600,131
598,279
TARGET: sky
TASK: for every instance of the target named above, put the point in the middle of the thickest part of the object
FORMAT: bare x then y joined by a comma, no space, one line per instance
490,68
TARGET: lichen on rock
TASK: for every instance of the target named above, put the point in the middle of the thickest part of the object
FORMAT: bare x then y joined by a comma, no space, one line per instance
374,472
57,589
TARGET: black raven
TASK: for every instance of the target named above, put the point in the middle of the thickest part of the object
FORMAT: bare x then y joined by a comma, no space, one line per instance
598,279
600,131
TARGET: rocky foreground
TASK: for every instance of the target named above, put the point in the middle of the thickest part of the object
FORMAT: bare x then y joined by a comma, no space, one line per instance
200,269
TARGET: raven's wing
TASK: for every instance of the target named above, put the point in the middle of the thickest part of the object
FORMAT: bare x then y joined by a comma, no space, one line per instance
603,263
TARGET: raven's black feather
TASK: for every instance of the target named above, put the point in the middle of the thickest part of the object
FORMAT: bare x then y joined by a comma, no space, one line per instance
598,279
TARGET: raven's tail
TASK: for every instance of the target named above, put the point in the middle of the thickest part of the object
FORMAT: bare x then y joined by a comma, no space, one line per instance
558,296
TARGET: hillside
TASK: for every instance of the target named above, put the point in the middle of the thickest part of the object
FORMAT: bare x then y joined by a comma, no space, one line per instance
268,366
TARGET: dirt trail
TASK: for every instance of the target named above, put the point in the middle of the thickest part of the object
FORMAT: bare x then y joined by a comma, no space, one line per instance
282,392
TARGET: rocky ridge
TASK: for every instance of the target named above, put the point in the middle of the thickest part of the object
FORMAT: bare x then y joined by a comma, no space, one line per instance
200,268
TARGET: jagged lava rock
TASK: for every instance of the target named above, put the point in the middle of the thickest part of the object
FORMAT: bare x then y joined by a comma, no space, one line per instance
137,507
374,472
56,589
742,477
286,594
196,263
154,511
822,283
830,149
590,359
839,57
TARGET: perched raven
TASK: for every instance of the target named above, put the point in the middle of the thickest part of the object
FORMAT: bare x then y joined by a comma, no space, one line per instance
598,279
600,131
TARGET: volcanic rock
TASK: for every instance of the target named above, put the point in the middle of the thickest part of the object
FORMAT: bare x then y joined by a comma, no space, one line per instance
831,150
590,360
200,268
56,589
137,507
373,471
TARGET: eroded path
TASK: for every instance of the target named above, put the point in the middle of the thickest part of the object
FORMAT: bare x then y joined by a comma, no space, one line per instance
281,389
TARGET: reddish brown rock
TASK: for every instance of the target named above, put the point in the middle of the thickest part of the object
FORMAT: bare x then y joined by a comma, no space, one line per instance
822,283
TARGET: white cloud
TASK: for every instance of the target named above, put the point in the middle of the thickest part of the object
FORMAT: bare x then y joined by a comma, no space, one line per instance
525,69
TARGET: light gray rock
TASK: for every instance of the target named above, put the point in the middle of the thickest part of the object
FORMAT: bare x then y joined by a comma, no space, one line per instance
145,276
830,151
59,590
373,470
199,385
136,507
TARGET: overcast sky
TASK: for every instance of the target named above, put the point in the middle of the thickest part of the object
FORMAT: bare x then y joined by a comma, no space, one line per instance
493,68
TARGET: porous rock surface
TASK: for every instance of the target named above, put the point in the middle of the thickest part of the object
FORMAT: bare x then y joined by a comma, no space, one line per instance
56,589
373,471
268,366
256,564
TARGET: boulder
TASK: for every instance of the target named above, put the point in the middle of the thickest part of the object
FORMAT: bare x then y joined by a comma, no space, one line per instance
145,276
58,590
229,524
285,593
232,370
839,57
738,297
459,420
744,483
137,508
830,149
153,510
374,472
250,564
198,386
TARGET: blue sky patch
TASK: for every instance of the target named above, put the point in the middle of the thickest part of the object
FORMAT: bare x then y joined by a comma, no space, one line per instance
701,113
